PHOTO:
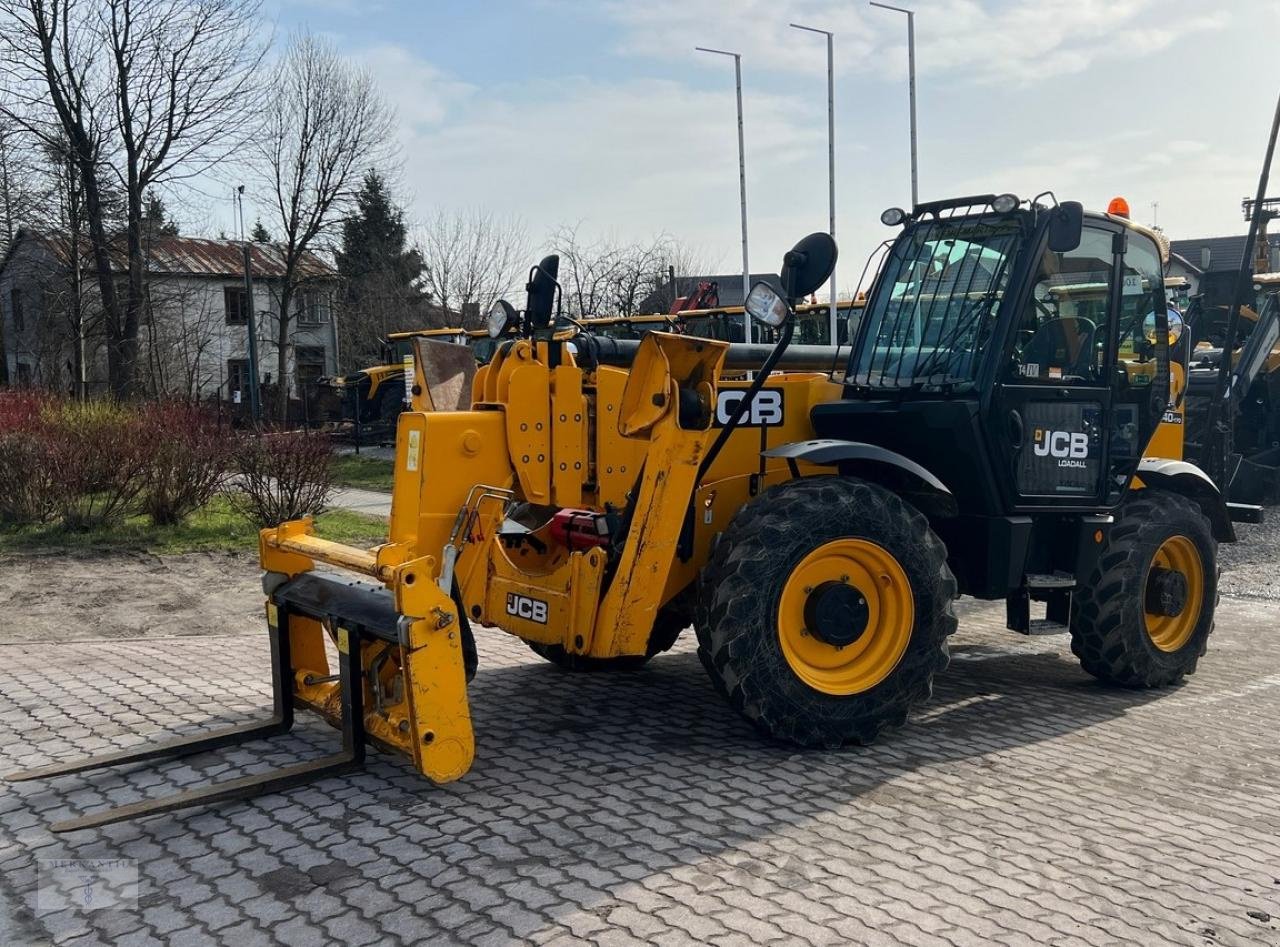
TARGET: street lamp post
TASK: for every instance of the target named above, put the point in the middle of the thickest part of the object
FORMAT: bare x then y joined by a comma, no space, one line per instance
742,177
831,154
911,85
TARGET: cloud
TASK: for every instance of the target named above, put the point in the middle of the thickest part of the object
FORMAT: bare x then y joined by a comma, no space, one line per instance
964,39
634,156
421,94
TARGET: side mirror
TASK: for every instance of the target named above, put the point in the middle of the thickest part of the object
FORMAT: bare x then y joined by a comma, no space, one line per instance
808,265
1066,226
542,292
502,317
765,306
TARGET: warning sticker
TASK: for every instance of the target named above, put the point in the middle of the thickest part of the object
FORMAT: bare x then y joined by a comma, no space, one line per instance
415,447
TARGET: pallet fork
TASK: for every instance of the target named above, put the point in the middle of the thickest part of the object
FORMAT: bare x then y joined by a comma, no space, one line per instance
355,613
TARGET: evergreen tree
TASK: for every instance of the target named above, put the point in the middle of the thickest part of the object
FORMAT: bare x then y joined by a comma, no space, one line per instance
156,221
260,233
380,273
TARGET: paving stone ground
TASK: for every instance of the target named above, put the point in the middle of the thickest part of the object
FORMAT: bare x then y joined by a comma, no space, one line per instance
1024,805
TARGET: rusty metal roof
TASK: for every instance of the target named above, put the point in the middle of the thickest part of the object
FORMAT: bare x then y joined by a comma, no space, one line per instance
189,256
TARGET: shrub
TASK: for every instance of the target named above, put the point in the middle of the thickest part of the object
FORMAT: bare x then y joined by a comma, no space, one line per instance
26,479
280,477
26,489
97,456
22,409
187,454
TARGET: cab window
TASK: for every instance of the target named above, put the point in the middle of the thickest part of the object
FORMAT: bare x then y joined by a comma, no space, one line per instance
1062,335
1142,302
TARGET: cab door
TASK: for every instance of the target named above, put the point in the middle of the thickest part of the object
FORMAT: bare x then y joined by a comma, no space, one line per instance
1071,417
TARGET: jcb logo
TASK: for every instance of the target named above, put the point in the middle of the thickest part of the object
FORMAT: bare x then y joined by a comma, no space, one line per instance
1061,444
765,409
530,609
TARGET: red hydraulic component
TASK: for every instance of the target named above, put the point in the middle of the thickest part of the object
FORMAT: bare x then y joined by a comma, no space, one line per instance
579,529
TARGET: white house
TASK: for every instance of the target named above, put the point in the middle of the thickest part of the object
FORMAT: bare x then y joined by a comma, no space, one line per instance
194,340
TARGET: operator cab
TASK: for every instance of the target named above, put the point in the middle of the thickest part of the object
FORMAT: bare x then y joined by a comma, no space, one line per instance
1020,352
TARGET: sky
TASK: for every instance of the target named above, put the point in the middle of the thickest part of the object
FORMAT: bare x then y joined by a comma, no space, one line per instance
600,113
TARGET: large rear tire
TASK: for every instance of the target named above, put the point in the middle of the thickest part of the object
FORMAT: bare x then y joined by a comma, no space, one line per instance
824,611
1144,617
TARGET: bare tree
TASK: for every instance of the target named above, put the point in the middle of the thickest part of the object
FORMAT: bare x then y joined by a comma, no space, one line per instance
327,124
605,277
472,258
143,92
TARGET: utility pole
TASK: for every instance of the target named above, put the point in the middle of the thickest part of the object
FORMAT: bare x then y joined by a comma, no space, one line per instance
911,85
251,325
742,180
831,155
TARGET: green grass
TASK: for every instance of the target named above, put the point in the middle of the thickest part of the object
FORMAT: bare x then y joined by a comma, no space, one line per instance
366,473
216,527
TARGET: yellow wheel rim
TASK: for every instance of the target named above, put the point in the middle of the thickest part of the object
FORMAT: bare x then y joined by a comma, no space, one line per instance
882,589
1170,632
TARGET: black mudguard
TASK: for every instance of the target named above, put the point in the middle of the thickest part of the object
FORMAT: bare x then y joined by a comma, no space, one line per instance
829,452
1180,476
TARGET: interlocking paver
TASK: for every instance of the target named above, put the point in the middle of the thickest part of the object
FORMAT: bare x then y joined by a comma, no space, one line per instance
1025,804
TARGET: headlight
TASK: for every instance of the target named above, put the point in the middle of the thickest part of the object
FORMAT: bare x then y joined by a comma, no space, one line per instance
1005,203
893,216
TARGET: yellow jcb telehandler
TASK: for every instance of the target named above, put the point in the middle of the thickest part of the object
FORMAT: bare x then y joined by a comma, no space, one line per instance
999,427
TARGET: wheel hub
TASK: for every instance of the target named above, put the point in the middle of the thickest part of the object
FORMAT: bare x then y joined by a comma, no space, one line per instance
836,613
1167,592
845,616
1174,594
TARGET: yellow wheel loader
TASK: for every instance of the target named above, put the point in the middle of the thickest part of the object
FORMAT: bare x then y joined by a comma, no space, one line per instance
1000,427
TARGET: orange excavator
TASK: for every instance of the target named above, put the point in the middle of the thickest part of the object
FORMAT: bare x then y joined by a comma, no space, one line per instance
705,296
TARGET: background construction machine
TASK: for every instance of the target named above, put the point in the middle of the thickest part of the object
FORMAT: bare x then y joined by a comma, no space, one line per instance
814,526
377,394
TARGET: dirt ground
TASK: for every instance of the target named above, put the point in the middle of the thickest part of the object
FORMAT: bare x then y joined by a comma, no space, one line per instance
66,597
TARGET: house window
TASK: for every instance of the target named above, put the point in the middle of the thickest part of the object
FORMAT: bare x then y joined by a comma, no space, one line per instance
238,380
15,302
310,365
237,305
307,308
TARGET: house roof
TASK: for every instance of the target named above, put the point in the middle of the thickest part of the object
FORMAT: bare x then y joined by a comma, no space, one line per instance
1225,253
185,256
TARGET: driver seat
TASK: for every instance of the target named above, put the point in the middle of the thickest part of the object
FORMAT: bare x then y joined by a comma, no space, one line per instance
1066,343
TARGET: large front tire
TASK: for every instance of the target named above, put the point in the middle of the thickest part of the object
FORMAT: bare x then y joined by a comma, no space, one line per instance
824,611
1144,617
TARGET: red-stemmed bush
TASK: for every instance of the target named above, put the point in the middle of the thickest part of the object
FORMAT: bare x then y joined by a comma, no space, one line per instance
97,456
187,455
26,488
279,477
